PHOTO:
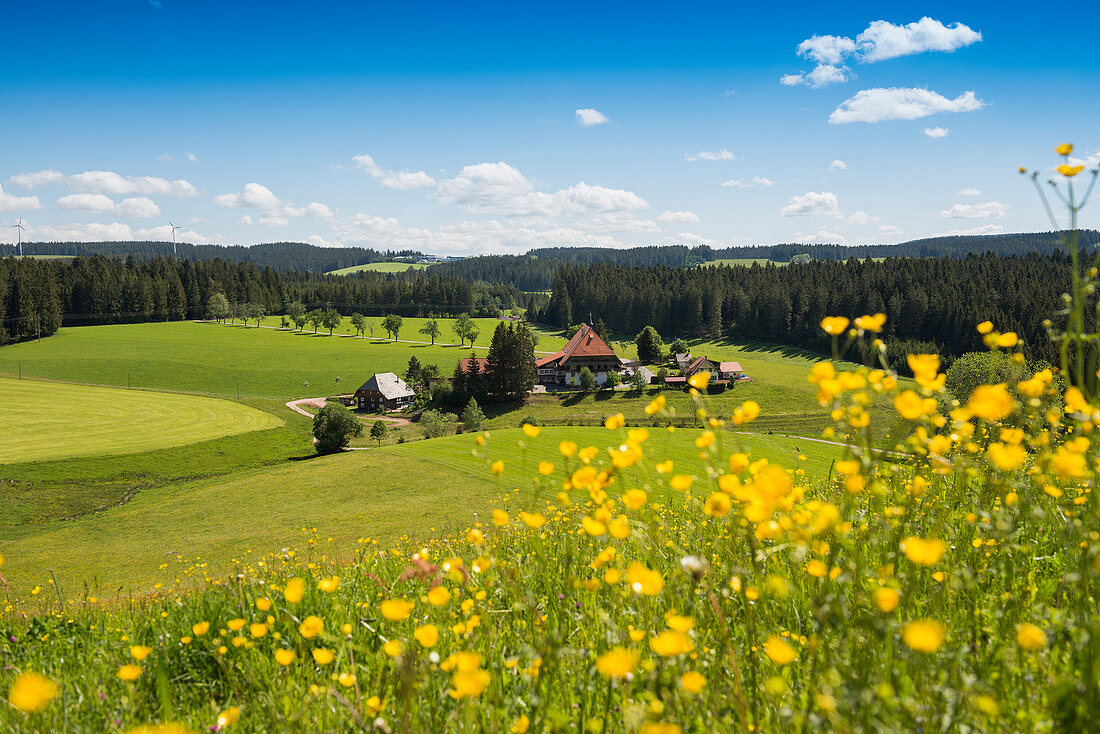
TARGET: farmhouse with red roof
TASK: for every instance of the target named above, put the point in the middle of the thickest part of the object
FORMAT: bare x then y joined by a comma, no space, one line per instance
585,349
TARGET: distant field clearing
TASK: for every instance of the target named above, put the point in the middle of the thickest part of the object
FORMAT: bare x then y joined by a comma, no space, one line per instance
49,420
390,267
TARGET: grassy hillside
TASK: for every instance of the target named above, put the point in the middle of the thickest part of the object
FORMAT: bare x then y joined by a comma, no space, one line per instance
413,490
219,359
55,420
379,267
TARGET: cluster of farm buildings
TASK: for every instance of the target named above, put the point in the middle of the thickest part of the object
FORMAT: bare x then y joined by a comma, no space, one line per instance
386,391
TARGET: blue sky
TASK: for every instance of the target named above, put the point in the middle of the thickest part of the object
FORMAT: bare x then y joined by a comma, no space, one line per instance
460,129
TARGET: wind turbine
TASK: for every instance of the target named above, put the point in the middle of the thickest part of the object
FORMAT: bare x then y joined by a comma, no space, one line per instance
19,233
174,228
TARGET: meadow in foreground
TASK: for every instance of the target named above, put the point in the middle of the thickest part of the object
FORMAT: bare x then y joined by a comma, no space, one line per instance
948,586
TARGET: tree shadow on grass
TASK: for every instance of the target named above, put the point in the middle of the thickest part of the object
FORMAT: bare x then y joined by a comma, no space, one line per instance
780,350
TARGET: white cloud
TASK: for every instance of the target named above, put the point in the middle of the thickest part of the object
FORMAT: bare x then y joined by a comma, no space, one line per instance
738,183
690,239
677,216
165,157
883,40
367,163
969,192
709,155
192,157
246,220
828,50
401,180
106,182
276,212
115,231
861,218
889,230
499,188
936,132
406,180
138,207
587,117
254,195
810,203
984,229
86,203
273,221
982,210
900,103
11,202
821,237
838,165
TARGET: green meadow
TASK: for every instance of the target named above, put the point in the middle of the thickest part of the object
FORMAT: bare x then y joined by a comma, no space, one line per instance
390,267
57,420
412,491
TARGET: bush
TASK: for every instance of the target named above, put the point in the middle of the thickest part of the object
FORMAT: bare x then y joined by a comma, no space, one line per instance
473,417
436,424
333,426
531,420
587,380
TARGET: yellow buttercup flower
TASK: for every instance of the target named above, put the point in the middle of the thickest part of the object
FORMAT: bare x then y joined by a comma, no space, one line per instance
834,325
1064,149
329,585
924,552
229,717
924,635
779,650
644,580
257,629
567,448
311,626
670,642
31,692
427,635
1030,636
396,610
546,468
1069,171
693,681
886,599
991,402
656,405
615,421
520,725
129,672
530,431
200,628
699,380
322,656
438,596
285,657
1006,457
140,652
497,467
718,505
393,648
872,323
235,625
635,499
532,519
294,590
618,662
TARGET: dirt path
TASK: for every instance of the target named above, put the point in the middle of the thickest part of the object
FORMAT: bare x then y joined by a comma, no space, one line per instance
318,403
371,338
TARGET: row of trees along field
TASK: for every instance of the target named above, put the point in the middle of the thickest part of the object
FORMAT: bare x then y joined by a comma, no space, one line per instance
37,296
934,301
280,256
535,270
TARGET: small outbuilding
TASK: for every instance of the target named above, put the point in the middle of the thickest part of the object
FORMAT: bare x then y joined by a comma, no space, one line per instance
384,392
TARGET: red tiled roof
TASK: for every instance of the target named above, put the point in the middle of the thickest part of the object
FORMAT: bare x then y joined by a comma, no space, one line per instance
675,379
696,364
547,360
467,363
586,343
729,367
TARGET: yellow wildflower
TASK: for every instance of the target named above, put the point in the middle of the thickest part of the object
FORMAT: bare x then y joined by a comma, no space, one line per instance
693,681
618,662
530,431
1030,636
396,610
311,626
924,635
427,635
644,580
925,552
834,325
779,651
31,692
294,590
129,672
285,657
323,656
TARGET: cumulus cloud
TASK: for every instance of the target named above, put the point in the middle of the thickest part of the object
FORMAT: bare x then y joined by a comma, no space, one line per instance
889,230
191,157
500,188
821,237
861,218
404,180
115,231
275,211
587,117
138,207
677,216
709,155
969,192
689,239
984,229
838,165
936,132
756,181
811,203
105,182
11,202
900,103
982,210
881,40
401,180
